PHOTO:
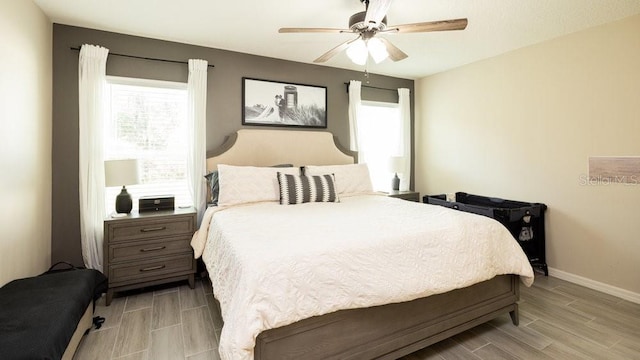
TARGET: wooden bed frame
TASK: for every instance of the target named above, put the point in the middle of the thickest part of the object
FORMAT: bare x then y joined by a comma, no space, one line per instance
381,332
393,330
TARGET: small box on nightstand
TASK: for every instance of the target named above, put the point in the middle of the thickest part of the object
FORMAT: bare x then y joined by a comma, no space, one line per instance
156,203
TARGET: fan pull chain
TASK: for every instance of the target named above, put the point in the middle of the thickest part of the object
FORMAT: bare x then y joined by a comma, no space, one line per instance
366,72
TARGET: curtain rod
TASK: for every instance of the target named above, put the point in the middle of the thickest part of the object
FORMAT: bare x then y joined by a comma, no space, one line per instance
144,58
371,87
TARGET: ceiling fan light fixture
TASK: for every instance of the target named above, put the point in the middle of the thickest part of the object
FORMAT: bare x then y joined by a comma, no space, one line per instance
358,52
377,50
370,22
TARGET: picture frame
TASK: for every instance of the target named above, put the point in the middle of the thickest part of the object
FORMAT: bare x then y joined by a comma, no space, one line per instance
275,103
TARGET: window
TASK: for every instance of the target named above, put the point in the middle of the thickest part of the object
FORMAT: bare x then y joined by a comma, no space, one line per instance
147,120
380,137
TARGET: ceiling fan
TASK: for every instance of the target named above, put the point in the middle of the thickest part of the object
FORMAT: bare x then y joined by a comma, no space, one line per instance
367,24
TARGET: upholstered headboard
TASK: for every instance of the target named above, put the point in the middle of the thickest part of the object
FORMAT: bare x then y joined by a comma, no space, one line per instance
253,147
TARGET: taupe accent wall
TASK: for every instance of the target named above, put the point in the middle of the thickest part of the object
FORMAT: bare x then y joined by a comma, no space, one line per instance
224,103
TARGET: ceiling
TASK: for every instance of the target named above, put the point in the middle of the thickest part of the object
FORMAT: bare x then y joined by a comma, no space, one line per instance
251,26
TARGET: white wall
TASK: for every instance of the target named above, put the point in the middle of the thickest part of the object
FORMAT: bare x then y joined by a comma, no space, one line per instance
522,126
25,140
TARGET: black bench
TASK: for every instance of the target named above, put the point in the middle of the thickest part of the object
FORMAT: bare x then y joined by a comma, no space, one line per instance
40,315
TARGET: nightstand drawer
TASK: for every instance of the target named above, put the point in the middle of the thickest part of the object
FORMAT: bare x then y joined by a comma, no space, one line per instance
145,249
158,268
162,227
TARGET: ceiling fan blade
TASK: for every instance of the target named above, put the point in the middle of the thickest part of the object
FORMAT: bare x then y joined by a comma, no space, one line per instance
331,53
441,25
395,54
376,11
314,30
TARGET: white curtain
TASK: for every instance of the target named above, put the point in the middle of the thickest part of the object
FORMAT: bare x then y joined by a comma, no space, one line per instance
92,67
355,88
404,104
197,114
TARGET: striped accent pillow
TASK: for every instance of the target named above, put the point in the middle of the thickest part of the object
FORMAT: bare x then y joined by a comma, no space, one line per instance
298,189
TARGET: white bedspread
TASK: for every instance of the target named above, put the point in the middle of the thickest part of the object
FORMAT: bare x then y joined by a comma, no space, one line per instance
272,265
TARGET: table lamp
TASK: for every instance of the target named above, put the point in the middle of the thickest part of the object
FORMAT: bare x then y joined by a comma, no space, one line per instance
396,164
122,173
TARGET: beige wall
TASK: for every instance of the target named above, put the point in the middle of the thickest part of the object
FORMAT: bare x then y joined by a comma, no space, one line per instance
522,126
25,140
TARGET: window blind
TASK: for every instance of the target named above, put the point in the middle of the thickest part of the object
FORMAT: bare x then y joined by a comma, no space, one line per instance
146,120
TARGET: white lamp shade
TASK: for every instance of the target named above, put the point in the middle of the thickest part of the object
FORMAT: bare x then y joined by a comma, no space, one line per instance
358,52
396,164
377,50
121,172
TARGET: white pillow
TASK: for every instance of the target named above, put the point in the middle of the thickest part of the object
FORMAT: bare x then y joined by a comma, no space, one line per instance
247,184
351,179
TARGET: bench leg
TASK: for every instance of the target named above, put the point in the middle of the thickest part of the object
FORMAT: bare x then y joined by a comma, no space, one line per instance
192,281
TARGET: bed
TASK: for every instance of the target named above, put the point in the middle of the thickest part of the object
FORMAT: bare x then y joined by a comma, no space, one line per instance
361,278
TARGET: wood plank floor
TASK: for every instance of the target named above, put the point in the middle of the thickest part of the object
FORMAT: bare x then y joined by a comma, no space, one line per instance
558,320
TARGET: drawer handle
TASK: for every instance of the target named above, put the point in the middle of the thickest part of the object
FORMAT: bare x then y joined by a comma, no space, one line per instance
159,228
153,268
153,248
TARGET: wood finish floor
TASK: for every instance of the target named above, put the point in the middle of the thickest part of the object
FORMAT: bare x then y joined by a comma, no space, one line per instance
558,320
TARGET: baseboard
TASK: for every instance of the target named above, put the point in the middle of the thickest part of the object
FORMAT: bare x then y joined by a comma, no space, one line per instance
595,285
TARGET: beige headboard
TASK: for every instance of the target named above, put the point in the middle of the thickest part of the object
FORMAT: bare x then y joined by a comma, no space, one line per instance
253,147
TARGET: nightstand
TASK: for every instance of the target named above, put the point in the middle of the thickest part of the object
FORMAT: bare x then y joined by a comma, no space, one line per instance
406,195
149,248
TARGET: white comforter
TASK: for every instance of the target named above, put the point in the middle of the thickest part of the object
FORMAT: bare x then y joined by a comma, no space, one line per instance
272,265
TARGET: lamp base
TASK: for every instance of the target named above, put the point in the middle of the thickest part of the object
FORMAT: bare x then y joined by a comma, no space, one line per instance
124,204
395,182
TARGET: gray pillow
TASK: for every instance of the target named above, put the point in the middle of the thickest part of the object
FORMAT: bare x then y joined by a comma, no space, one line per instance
214,187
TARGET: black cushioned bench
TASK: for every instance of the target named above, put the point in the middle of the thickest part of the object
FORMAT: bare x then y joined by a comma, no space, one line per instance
44,317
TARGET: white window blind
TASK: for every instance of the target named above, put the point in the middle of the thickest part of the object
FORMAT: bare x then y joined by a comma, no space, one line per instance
380,136
146,120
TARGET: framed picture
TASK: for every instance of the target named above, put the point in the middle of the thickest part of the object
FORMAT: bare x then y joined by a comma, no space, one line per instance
272,103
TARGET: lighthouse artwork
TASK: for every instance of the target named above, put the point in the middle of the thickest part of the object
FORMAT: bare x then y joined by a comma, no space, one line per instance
273,103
